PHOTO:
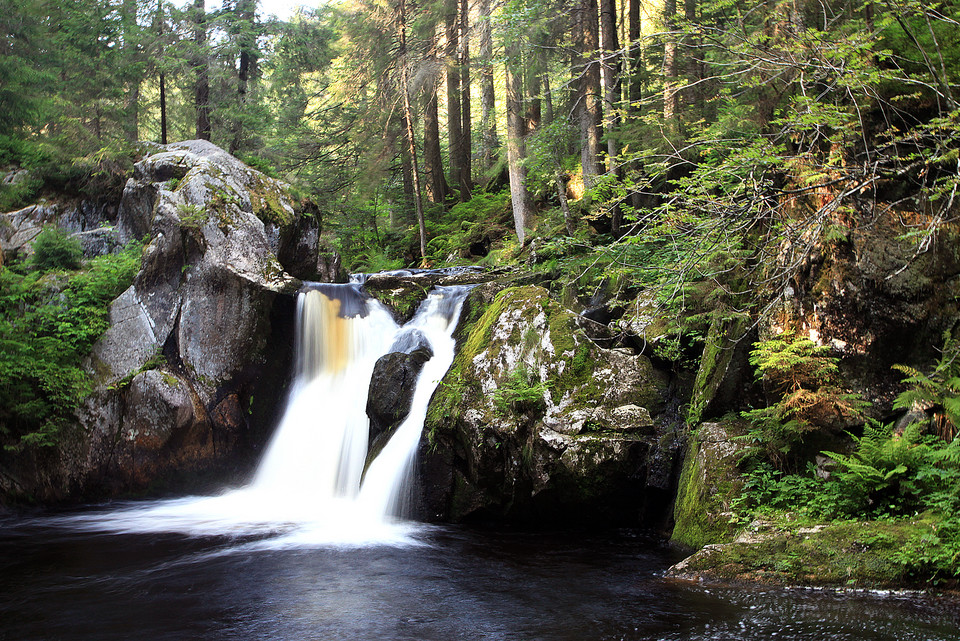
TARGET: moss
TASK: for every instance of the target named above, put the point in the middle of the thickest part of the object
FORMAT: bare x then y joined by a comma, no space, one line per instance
402,301
718,352
704,491
266,198
856,554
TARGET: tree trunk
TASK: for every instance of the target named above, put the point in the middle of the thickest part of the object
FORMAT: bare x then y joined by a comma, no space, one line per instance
590,112
454,113
406,170
436,182
201,88
670,69
408,125
466,142
516,145
163,109
246,10
131,44
635,93
488,120
162,76
610,45
694,103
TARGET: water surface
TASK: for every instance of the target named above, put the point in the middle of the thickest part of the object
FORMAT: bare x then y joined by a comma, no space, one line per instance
63,581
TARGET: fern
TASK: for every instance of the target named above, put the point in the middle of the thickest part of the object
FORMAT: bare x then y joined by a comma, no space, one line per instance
804,380
937,393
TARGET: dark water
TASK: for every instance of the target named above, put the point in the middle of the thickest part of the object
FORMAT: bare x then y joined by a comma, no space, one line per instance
58,583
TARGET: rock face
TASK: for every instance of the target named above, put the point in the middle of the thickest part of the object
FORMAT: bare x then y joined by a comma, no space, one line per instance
876,300
391,388
185,375
536,423
92,221
710,480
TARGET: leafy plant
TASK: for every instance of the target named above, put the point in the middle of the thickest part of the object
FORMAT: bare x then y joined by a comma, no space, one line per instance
522,392
55,249
46,328
803,380
937,393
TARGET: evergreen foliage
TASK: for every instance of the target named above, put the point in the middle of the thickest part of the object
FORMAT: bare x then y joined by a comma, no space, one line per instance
804,383
54,249
49,321
889,474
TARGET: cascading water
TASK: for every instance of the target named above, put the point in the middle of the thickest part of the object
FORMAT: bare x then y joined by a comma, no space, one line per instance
311,486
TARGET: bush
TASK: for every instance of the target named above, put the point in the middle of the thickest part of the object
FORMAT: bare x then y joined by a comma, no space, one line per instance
54,249
43,339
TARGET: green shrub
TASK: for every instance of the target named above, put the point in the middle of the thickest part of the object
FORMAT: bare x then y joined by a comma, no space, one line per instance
45,331
54,249
522,392
804,381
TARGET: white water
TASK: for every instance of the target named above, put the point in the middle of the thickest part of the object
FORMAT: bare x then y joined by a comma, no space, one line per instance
307,489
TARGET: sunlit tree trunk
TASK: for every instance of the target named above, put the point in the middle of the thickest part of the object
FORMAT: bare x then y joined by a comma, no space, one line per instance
516,145
408,123
465,180
635,92
590,93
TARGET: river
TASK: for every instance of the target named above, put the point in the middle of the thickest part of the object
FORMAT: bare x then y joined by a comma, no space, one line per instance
63,582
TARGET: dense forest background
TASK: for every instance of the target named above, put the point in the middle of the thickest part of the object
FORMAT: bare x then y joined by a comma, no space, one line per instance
711,124
699,157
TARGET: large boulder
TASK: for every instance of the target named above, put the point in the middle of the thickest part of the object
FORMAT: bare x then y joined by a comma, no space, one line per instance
198,347
535,422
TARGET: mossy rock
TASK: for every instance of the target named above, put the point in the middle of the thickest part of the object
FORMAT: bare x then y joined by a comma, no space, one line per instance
843,554
709,481
544,423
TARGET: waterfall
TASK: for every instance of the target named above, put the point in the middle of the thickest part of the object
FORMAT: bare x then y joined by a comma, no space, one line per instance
311,487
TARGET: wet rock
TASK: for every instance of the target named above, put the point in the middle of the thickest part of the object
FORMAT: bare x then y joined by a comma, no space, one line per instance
403,290
540,423
391,388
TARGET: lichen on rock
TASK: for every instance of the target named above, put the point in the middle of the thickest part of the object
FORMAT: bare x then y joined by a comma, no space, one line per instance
538,420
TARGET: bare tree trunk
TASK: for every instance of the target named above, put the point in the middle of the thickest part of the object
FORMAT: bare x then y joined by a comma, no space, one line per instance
610,44
436,182
465,180
162,79
671,107
408,125
454,114
201,73
488,120
131,123
590,113
635,93
246,10
163,109
693,107
516,145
